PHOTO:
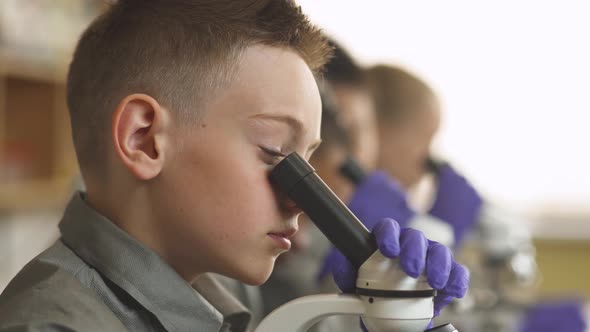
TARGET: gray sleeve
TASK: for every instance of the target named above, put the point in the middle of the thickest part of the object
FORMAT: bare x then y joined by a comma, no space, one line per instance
45,298
37,327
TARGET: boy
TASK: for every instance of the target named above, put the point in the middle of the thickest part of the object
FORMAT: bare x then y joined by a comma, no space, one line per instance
179,110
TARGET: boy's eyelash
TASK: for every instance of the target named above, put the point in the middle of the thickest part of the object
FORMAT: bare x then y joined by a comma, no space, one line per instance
274,154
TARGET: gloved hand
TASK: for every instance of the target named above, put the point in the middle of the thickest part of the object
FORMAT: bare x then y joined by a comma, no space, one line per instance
565,315
379,196
417,255
456,202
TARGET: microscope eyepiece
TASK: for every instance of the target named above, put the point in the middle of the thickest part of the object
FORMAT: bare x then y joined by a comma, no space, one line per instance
298,179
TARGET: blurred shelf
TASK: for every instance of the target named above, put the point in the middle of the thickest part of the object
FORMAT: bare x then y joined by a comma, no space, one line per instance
52,69
37,161
561,227
560,220
50,194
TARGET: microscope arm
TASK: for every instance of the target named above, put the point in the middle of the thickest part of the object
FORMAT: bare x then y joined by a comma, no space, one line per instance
302,313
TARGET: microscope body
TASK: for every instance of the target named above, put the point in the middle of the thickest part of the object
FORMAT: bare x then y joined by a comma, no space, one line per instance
387,299
393,300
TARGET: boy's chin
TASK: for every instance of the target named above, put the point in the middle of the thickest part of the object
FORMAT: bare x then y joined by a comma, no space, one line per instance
255,276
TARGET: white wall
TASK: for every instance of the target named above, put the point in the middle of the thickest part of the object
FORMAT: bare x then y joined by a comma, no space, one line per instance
514,78
22,237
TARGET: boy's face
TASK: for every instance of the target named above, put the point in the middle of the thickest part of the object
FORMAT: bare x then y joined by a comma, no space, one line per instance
327,164
219,211
405,146
358,116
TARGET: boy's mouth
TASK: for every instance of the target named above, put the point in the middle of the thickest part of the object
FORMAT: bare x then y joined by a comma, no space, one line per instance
281,238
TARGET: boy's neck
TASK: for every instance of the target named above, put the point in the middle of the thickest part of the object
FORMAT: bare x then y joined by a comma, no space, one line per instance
134,215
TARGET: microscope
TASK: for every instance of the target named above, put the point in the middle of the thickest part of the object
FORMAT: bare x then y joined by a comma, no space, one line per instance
502,264
386,298
505,244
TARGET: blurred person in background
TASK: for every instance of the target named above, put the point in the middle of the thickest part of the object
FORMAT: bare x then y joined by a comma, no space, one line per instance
409,116
393,131
351,98
377,194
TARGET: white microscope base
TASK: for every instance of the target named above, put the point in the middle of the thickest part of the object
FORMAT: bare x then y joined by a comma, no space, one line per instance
302,313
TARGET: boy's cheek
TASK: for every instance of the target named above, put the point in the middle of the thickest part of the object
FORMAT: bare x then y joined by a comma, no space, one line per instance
256,194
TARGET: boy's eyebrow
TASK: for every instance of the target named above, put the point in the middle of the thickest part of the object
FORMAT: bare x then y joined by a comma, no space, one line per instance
291,122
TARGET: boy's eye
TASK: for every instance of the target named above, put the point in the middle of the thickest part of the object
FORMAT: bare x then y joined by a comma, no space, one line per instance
273,156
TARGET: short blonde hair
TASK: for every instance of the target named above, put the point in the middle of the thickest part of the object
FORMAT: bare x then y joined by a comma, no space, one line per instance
177,51
396,93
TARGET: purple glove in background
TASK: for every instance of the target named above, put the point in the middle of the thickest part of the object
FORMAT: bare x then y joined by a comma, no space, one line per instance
456,202
378,196
417,255
564,315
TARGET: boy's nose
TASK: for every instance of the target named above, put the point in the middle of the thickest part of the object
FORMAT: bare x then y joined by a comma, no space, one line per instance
290,206
286,204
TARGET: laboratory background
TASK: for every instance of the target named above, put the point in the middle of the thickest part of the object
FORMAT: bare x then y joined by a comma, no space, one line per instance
512,77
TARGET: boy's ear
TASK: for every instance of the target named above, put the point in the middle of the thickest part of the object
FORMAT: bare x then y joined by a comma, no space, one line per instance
139,128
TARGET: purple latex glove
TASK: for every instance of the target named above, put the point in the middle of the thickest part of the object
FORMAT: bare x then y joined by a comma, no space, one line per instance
417,255
378,196
456,202
564,315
